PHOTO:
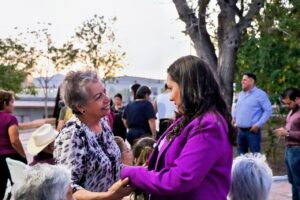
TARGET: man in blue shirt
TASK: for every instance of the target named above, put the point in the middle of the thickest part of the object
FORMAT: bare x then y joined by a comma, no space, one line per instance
252,111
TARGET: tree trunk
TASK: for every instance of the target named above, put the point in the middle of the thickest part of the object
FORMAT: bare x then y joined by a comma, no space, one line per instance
228,33
226,73
46,98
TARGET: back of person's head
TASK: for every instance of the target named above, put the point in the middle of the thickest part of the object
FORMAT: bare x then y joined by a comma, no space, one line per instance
250,75
142,92
291,92
142,150
126,153
134,88
199,92
251,178
44,181
120,142
5,98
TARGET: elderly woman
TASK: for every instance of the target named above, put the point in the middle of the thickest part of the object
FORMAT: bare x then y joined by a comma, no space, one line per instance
44,181
10,144
251,178
192,159
86,144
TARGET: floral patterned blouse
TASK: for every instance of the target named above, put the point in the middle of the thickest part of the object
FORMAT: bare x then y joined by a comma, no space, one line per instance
94,159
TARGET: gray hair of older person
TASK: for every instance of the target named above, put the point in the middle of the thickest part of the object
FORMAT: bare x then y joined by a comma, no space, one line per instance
74,88
251,178
43,181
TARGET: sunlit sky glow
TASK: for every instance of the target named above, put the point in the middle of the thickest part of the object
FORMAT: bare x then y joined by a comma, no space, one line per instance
149,31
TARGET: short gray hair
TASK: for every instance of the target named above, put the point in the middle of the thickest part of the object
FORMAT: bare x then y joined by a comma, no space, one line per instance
251,178
43,181
74,88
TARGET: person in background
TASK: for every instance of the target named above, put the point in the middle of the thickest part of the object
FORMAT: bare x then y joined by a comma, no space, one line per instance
86,145
134,89
192,159
118,109
251,178
110,116
291,132
165,110
126,153
57,106
142,150
41,144
252,111
139,116
64,115
64,112
10,144
44,181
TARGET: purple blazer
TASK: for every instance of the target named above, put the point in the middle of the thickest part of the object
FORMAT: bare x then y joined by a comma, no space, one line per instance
196,165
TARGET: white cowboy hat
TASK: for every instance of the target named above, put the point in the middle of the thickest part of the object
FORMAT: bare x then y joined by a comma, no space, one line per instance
41,138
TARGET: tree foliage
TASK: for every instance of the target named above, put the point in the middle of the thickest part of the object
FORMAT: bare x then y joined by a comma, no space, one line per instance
16,61
11,78
92,45
271,48
97,48
14,52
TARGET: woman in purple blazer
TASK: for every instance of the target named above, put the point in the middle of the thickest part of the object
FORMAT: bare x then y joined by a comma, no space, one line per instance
192,159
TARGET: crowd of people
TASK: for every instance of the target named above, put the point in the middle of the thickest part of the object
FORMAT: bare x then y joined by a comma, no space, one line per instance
102,149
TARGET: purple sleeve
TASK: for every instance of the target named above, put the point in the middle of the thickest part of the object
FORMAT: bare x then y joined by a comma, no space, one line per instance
196,159
12,121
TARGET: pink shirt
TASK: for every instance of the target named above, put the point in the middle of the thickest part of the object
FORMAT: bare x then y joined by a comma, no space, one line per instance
6,120
293,126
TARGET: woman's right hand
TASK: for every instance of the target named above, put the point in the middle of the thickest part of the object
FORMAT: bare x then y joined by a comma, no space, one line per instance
117,191
120,189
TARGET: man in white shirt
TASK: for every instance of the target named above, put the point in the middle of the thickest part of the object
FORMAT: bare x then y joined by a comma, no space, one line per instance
165,110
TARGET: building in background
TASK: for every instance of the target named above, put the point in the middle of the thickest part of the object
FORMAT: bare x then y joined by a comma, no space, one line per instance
29,107
122,85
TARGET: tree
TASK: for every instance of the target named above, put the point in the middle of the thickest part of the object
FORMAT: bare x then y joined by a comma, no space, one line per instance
17,60
97,48
11,78
271,48
233,18
53,58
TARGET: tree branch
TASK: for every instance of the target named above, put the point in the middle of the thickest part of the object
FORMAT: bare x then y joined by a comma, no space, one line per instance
187,15
254,8
210,52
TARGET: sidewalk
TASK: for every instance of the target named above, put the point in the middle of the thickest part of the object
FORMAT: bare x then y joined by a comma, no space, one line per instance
281,190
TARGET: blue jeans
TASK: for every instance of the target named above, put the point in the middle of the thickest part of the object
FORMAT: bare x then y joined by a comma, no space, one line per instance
248,140
292,161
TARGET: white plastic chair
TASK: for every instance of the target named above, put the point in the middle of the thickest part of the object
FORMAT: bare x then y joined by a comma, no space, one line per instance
16,169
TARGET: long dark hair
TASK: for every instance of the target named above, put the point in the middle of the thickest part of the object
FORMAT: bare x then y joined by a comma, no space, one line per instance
5,98
200,93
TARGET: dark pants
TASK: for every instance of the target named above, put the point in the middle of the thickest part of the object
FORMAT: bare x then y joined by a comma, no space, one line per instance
248,140
163,125
134,134
292,161
5,175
